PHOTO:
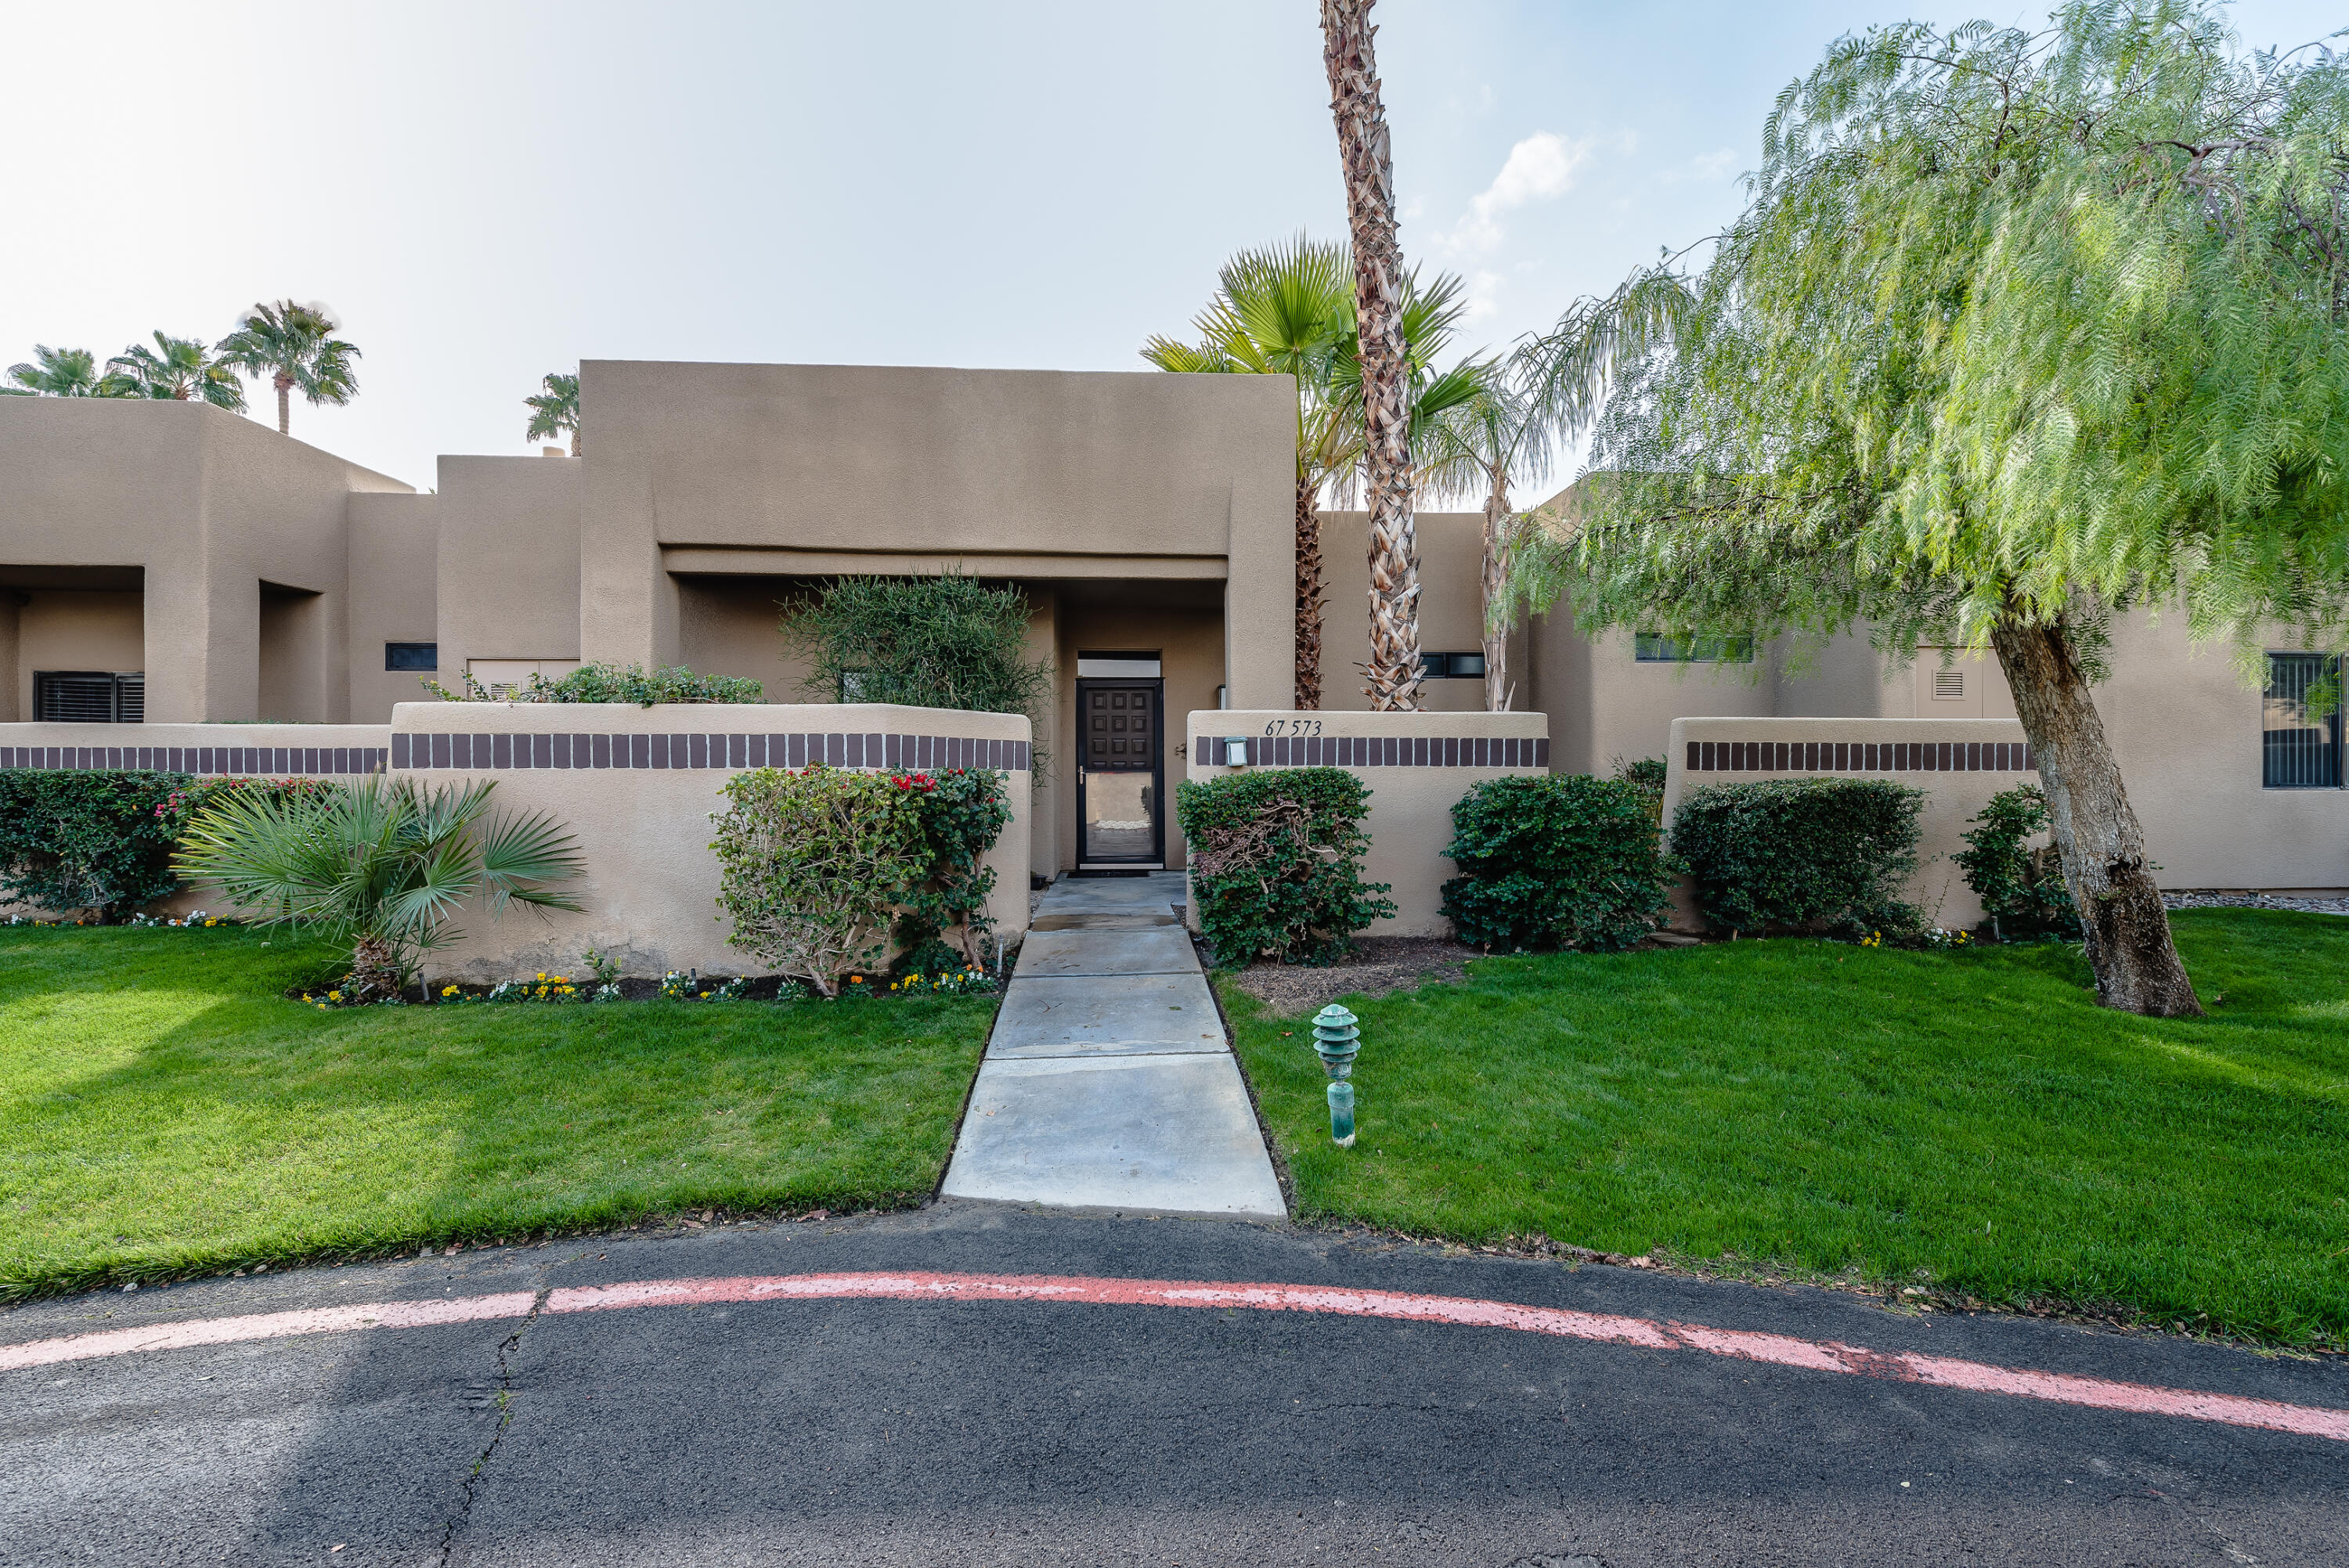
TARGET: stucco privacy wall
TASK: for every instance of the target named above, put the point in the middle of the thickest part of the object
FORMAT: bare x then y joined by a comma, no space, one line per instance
1416,765
636,786
234,750
1958,763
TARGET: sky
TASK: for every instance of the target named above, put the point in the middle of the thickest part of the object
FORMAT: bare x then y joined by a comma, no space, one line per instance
486,191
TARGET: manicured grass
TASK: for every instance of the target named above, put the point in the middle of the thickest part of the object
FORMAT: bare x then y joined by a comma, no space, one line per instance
1971,1118
163,1110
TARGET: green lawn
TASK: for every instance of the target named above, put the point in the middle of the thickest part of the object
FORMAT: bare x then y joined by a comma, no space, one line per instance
163,1110
1969,1116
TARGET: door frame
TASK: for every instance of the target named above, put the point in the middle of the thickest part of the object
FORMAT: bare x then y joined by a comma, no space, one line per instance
1157,859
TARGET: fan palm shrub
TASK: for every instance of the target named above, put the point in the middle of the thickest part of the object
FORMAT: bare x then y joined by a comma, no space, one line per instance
382,866
294,345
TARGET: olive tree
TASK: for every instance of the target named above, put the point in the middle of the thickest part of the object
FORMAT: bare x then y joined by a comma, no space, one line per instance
2017,332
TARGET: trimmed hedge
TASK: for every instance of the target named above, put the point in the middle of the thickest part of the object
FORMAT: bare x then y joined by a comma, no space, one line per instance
1802,855
99,839
1277,863
1556,861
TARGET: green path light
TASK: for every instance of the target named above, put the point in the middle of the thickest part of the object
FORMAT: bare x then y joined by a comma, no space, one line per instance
1337,1040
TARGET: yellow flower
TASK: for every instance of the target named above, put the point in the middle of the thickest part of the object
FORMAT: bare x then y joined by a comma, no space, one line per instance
207,922
705,993
305,995
448,990
542,974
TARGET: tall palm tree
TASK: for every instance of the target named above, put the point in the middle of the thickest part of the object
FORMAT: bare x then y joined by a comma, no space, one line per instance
1365,155
1532,406
1284,310
57,373
178,369
1287,310
296,346
555,411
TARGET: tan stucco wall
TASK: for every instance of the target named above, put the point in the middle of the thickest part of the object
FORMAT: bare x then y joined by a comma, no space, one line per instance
68,629
652,883
1410,820
1605,707
1450,609
209,505
508,561
728,625
1076,474
395,594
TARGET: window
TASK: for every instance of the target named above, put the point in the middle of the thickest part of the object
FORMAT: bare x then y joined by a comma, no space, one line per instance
854,684
1097,666
2300,723
89,696
1452,667
1657,648
411,655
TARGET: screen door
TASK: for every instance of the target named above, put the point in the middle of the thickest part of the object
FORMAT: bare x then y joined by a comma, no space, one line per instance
1120,773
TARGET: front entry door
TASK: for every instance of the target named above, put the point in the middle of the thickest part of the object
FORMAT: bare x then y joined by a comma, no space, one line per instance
1120,782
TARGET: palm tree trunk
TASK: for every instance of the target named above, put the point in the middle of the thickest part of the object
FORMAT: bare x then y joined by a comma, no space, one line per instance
575,440
1496,580
284,403
1308,594
1363,150
2096,834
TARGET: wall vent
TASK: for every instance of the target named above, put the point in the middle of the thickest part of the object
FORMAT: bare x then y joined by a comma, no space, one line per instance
1948,686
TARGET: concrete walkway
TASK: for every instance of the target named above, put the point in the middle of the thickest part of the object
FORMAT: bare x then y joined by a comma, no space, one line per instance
1108,1083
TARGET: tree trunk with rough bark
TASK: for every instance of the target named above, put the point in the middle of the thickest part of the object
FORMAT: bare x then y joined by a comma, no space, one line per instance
284,403
1497,692
575,440
1393,669
375,970
1308,594
2096,834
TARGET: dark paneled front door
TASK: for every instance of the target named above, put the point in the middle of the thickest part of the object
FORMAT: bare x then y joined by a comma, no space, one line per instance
1120,773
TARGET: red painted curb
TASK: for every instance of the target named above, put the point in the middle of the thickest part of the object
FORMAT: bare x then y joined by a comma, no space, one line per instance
1775,1349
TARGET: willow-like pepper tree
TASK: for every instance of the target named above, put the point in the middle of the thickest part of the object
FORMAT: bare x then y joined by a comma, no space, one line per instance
2018,331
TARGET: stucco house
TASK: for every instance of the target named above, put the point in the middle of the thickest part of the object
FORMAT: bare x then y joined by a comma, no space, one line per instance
170,562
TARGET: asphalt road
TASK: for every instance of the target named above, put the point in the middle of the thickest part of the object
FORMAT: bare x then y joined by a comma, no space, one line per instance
861,1431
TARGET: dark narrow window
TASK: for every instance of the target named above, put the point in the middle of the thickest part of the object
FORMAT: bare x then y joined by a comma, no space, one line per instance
2300,723
411,655
1452,667
89,696
1660,648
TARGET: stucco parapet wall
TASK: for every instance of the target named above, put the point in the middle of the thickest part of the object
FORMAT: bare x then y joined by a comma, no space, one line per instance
236,750
1417,765
640,804
725,736
1959,763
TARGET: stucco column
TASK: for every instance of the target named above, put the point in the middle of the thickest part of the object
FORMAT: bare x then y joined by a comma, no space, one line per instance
1259,594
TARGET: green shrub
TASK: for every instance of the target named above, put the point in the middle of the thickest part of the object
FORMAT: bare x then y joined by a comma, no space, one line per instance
101,840
814,863
2022,890
379,867
1802,855
611,683
962,812
1277,863
947,641
1556,861
1648,775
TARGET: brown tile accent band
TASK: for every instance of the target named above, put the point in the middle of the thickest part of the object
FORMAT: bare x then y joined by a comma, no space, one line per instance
243,761
1381,751
731,753
1860,757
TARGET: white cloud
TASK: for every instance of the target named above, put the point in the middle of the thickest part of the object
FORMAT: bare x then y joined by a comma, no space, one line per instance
1541,168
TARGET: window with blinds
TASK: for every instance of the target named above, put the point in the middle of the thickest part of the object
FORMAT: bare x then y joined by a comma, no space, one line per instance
2300,723
89,696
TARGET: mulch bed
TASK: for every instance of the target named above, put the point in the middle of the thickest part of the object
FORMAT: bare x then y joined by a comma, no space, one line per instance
1379,964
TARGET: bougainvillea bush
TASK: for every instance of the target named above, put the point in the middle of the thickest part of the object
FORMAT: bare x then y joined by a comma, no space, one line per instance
813,863
100,840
